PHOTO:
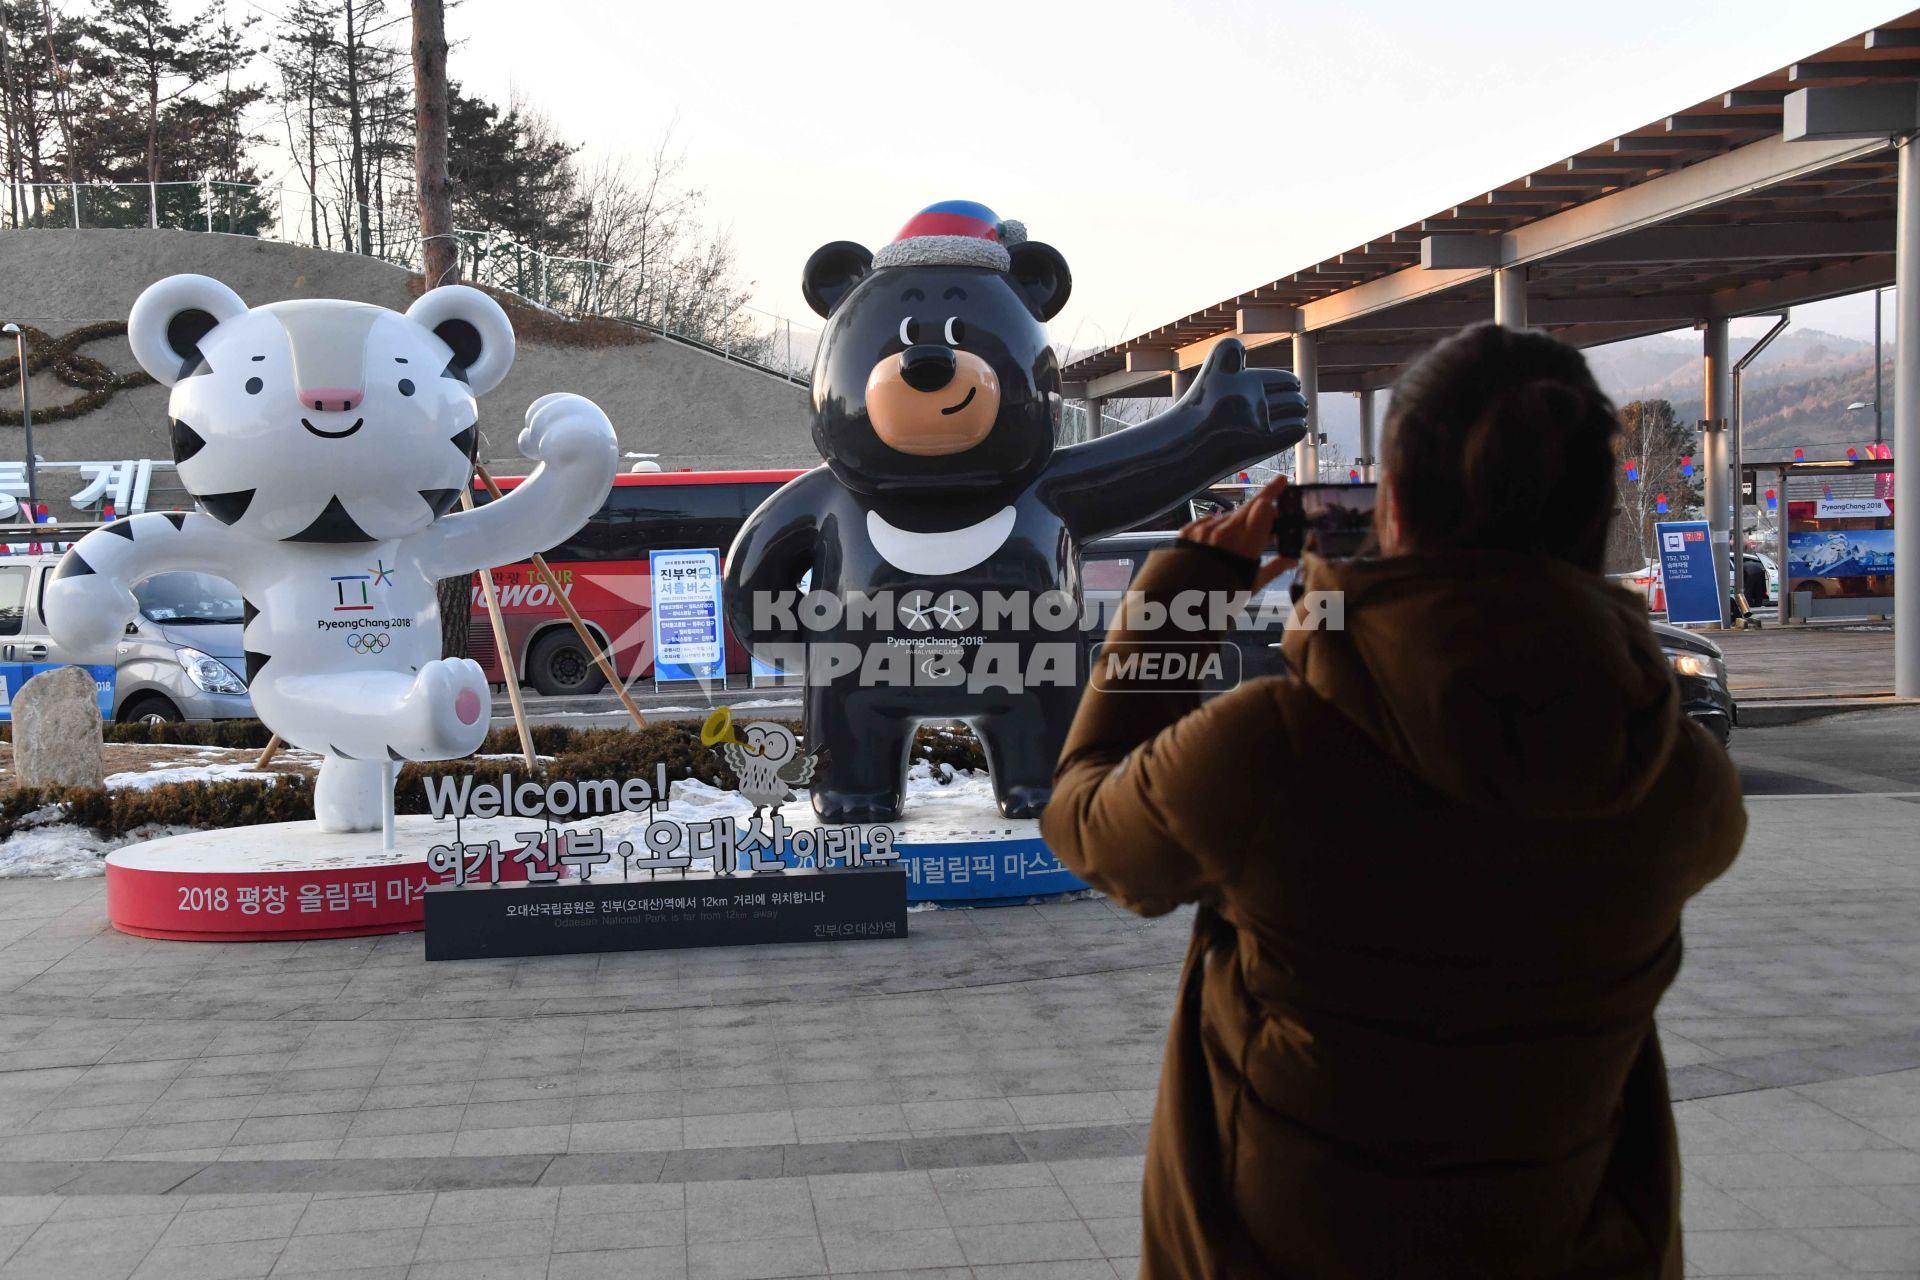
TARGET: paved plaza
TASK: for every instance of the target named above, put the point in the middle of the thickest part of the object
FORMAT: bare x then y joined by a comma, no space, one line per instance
972,1101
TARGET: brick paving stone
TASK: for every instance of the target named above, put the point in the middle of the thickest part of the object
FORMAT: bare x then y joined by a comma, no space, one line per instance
974,1106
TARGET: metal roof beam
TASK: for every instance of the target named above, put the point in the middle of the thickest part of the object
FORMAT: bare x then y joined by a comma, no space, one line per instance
1735,243
1717,178
1722,124
1367,355
1146,360
1834,280
1531,197
1535,181
1545,312
1266,320
1862,111
1125,385
1805,71
1447,251
1386,292
1616,164
1664,145
1698,186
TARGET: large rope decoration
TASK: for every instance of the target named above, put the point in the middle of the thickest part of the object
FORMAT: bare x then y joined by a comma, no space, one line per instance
63,359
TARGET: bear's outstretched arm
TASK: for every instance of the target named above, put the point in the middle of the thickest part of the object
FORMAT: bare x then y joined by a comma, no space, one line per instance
575,446
1231,416
773,549
90,598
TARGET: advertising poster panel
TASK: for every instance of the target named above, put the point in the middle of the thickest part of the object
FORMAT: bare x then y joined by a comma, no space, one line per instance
688,642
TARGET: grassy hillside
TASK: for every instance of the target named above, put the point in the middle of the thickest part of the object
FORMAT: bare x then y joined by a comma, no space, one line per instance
1796,393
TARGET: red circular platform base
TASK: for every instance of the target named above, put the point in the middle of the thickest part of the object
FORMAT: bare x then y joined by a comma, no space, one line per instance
278,882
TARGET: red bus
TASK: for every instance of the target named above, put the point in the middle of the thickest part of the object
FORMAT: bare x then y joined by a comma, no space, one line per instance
604,569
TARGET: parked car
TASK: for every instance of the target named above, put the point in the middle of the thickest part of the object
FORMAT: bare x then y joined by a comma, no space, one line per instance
181,659
1645,582
1759,578
1701,668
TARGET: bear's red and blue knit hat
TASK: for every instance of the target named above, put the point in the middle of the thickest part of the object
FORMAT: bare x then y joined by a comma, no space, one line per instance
953,233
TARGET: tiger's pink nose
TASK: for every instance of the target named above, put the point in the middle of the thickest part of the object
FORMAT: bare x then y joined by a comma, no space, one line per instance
339,399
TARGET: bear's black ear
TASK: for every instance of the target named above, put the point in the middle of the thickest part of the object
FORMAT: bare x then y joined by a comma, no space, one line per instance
1040,275
832,272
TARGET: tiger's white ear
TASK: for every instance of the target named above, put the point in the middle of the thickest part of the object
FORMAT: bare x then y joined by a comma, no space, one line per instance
474,327
171,317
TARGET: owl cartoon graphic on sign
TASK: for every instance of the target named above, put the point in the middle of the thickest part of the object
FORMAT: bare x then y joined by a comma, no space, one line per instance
768,760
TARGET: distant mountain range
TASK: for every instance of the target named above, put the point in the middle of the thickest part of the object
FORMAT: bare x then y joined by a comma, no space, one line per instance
1796,394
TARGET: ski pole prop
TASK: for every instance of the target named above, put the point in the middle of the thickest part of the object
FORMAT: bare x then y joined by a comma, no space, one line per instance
548,576
501,648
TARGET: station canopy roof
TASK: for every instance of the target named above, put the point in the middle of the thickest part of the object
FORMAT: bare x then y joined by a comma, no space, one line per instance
1708,212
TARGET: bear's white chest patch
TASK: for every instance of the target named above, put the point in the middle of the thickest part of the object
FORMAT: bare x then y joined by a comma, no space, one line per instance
949,551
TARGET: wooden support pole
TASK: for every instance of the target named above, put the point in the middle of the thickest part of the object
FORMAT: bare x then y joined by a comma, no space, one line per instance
552,580
266,757
502,649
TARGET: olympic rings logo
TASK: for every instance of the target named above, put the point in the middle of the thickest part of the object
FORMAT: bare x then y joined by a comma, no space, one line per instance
360,643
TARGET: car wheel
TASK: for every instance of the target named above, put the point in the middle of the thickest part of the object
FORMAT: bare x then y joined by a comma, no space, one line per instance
150,708
561,664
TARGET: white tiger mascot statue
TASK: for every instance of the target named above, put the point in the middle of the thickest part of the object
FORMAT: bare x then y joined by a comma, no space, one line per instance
325,442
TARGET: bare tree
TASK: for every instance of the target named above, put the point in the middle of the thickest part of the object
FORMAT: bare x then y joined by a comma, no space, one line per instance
300,56
638,219
1658,448
438,252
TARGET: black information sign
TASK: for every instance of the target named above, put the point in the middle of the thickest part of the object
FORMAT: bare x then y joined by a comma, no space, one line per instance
515,919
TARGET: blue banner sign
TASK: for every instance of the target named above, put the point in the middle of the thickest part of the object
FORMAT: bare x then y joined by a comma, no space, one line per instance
974,871
1687,568
15,674
689,642
1848,553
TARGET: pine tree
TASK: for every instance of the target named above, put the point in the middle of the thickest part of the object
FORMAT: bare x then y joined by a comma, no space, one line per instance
37,47
511,175
165,102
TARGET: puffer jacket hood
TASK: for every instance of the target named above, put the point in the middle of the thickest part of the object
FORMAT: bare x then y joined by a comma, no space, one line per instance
1505,682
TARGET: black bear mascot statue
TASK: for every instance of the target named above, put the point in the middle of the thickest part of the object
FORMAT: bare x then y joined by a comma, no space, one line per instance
935,401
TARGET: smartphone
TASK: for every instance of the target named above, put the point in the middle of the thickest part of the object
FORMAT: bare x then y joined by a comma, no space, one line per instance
1332,521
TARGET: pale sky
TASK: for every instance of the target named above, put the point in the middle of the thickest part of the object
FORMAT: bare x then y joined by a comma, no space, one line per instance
1175,152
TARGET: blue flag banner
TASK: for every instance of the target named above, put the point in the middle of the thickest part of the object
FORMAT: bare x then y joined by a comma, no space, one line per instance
15,674
1686,566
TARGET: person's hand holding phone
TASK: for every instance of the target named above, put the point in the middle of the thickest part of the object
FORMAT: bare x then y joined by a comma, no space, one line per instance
1247,530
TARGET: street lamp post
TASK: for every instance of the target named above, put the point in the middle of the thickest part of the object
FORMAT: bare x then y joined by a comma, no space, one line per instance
1876,368
26,417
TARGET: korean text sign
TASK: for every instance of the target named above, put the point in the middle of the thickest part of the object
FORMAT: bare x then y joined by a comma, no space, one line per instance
688,640
1687,567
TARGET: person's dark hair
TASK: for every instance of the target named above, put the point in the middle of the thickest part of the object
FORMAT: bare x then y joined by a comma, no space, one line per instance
1500,439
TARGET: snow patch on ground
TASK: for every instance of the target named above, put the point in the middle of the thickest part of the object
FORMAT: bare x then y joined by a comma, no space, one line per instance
939,802
750,704
158,774
62,851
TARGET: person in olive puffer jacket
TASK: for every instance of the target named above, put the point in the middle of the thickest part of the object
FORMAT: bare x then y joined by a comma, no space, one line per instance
1440,866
